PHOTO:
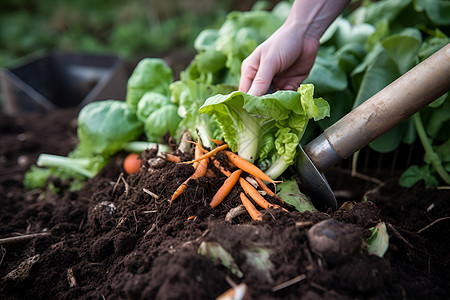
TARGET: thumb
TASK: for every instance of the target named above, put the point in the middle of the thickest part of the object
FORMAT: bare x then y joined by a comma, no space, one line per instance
262,80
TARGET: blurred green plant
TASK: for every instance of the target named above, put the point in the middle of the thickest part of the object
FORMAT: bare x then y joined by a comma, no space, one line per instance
132,29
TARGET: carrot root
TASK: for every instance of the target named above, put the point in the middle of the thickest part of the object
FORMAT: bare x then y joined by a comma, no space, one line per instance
226,188
265,188
253,193
171,158
253,212
208,154
247,166
199,172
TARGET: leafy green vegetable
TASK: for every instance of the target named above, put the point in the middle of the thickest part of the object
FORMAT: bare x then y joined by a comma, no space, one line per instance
269,126
150,102
378,242
150,74
36,178
104,127
190,95
162,121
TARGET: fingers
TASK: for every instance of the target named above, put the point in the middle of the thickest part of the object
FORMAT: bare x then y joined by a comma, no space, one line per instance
256,75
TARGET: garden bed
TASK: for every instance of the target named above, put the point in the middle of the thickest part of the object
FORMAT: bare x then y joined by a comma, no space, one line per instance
114,239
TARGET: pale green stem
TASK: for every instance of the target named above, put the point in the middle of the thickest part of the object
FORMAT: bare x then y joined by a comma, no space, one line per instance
434,158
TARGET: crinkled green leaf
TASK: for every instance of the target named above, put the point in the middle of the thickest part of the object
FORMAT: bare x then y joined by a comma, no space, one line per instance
150,102
150,74
162,121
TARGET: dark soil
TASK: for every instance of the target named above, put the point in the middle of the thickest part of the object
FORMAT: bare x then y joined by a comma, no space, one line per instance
114,239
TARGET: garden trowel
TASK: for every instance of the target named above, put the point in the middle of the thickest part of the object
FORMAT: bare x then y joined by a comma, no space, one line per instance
395,103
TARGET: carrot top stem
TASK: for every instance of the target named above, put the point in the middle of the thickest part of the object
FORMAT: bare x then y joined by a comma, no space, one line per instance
253,212
209,154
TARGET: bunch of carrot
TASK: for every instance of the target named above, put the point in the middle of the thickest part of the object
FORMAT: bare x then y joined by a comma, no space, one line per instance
200,164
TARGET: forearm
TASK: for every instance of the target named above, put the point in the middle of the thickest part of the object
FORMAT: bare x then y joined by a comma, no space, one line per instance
312,17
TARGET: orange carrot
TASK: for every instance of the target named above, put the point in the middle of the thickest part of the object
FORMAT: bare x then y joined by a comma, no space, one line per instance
226,188
172,158
217,142
179,190
221,168
265,188
209,154
253,193
199,172
253,212
198,152
247,166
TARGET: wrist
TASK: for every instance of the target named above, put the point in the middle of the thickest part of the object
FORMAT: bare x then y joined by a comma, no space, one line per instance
313,17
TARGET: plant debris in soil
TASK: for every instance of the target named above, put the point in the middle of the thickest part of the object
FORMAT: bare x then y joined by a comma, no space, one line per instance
119,237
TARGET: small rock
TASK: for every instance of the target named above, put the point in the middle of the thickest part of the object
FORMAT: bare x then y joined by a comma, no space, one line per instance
335,241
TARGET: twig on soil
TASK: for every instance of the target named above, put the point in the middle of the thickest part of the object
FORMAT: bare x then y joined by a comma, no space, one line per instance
150,230
303,223
117,183
288,283
145,190
432,223
230,281
136,221
397,234
71,278
3,253
126,185
81,224
22,238
124,182
362,176
235,212
323,289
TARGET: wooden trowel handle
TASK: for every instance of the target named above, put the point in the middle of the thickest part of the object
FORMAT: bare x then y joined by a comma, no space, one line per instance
395,103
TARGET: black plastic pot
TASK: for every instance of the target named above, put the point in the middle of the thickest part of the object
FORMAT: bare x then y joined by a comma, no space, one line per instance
62,80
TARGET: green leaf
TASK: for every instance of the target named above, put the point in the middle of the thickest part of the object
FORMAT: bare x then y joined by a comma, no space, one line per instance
150,74
390,140
104,127
162,121
403,48
150,102
415,173
326,75
381,71
385,10
378,242
289,191
437,10
218,255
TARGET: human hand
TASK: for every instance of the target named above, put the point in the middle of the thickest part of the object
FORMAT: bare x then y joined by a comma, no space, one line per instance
284,59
